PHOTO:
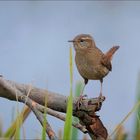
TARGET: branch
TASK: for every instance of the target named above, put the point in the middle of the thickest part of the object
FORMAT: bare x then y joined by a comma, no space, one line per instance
39,116
60,116
31,104
57,102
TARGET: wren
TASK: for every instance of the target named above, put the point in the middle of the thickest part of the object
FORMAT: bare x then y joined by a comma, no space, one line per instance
91,62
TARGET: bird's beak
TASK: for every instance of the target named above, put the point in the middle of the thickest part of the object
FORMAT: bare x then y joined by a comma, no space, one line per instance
71,41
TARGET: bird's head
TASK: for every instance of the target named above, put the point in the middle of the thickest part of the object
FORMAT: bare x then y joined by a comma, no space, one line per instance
83,42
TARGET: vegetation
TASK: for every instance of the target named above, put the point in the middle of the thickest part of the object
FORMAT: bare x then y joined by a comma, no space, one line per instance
70,132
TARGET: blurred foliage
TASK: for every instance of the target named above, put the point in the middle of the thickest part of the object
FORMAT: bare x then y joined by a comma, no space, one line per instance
13,130
137,116
125,118
17,129
78,88
60,134
121,134
1,130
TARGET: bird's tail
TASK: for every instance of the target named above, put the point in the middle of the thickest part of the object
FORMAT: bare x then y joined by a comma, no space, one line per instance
106,60
110,53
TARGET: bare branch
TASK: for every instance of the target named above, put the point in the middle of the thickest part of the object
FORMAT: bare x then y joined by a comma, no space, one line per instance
39,116
85,112
61,117
55,101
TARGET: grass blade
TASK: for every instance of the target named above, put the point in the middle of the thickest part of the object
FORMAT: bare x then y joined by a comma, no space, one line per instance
68,122
18,124
78,90
126,118
12,129
1,129
44,128
71,69
121,135
44,122
137,118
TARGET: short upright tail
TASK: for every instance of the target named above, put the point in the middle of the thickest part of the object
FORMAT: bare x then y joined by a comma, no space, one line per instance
110,53
106,59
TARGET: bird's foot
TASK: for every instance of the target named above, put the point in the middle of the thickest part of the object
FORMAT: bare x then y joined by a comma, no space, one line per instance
100,97
79,101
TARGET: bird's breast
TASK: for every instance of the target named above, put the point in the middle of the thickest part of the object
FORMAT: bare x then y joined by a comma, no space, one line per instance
90,69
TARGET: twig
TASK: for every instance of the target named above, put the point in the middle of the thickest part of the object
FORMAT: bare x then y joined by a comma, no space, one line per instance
39,116
61,117
29,102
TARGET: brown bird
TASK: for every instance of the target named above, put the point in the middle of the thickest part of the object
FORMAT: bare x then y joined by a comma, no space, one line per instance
91,62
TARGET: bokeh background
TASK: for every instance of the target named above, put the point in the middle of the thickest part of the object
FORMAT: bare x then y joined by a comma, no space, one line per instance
34,50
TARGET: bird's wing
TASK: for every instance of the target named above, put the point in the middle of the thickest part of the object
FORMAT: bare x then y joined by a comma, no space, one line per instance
106,62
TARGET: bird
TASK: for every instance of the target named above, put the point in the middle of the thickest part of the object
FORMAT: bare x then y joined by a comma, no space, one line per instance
91,62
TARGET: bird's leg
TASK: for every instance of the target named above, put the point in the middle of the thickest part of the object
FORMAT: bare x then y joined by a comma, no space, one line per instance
100,95
85,82
101,88
81,97
81,94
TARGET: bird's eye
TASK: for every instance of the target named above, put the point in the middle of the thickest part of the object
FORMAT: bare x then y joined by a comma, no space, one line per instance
83,43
